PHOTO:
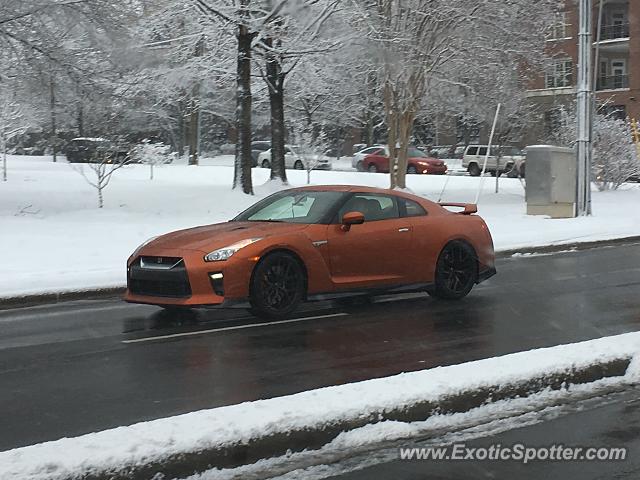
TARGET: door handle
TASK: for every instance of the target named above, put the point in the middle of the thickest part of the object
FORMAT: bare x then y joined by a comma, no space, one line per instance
404,229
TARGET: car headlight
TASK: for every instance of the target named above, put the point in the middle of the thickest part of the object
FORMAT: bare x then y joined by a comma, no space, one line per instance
137,250
226,252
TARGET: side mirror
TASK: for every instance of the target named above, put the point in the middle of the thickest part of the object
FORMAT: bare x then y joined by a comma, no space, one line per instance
351,218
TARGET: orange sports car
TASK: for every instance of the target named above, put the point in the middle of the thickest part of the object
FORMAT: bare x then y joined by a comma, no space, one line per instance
316,242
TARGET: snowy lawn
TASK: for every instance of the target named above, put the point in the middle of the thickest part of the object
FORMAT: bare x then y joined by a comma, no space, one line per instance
54,238
160,439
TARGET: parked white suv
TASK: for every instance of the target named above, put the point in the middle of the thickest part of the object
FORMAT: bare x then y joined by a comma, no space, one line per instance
505,159
295,157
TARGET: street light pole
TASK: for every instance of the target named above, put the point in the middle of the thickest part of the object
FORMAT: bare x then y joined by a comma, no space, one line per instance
584,111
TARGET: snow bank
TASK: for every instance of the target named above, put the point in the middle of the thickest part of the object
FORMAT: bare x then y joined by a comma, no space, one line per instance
60,241
151,442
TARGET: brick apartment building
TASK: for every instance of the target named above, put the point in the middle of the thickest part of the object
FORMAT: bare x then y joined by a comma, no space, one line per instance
618,64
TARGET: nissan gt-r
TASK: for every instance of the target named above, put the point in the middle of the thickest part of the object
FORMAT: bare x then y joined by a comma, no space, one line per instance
316,242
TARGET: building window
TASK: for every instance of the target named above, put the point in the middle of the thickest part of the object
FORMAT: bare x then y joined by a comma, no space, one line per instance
559,75
559,29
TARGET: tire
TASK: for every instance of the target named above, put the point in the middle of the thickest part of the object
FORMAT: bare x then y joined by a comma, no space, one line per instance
456,271
522,170
474,170
360,166
278,285
298,165
265,164
412,170
372,168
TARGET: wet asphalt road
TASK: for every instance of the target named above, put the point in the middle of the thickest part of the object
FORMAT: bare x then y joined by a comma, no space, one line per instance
83,366
608,423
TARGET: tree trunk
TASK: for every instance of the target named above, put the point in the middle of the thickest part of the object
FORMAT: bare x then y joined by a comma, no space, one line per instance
405,126
4,160
194,113
392,133
194,127
80,119
275,83
52,109
243,162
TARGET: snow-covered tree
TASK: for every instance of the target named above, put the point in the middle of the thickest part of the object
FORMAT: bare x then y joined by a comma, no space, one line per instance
614,153
152,154
99,169
415,43
615,157
14,121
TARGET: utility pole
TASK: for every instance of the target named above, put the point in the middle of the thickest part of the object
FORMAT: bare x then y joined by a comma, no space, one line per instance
584,110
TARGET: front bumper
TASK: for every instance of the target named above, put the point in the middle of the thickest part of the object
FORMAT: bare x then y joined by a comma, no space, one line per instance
190,281
486,274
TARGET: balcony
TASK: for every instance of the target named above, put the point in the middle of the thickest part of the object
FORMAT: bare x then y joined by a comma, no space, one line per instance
614,32
612,82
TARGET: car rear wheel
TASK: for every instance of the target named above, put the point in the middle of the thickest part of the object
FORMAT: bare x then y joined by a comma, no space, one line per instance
474,170
265,164
456,271
298,165
277,286
372,168
412,169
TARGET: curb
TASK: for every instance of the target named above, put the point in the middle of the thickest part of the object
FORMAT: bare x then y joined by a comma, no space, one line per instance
277,445
563,247
59,297
7,303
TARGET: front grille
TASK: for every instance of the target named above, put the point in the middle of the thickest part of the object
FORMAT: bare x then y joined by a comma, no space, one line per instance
159,277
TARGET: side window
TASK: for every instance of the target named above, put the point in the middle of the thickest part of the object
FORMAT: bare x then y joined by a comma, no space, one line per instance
409,208
482,151
373,206
472,151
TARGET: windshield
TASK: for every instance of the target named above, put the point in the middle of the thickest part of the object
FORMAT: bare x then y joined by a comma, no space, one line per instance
296,206
414,152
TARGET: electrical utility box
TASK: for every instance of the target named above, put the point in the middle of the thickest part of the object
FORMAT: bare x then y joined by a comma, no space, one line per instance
551,181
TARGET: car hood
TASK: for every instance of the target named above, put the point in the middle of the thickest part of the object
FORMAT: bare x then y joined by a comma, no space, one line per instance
429,160
210,237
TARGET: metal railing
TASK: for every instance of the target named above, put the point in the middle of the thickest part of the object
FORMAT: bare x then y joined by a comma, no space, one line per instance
612,82
613,32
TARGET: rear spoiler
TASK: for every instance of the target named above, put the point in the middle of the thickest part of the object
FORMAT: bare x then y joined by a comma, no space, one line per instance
468,208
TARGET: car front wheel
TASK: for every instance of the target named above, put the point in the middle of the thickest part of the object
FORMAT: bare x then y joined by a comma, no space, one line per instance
360,166
277,286
474,170
456,271
298,165
372,168
265,164
412,169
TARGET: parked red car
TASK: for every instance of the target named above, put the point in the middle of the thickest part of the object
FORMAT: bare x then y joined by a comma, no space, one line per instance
418,162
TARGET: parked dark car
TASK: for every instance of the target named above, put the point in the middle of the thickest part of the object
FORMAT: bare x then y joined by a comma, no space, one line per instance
257,148
95,150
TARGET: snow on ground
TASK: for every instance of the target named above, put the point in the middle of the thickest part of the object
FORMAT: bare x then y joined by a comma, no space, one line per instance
196,431
55,238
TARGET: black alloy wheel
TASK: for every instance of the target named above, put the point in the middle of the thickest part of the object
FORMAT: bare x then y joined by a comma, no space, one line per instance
277,286
298,165
372,168
265,164
456,271
412,169
474,170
